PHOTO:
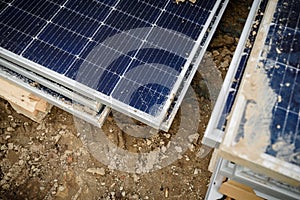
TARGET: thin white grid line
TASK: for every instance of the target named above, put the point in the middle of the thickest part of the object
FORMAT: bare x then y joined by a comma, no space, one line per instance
96,31
121,53
281,84
42,29
79,14
143,20
287,28
143,41
151,43
174,2
127,81
289,105
8,5
85,36
283,78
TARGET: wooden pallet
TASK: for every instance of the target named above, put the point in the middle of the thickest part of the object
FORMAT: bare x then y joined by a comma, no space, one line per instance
238,191
23,101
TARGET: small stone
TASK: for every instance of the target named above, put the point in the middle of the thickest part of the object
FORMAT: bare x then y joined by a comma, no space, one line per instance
178,149
13,124
123,194
3,147
57,138
10,129
10,146
191,147
193,137
215,53
135,178
163,149
2,182
134,196
42,188
5,186
196,171
166,192
148,142
64,127
61,188
55,185
9,174
99,171
21,162
39,127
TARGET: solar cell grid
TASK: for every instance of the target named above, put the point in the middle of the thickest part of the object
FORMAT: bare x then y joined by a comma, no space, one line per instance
101,43
281,60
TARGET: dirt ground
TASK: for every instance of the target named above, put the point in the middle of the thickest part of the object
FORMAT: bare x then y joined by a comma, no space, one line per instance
51,160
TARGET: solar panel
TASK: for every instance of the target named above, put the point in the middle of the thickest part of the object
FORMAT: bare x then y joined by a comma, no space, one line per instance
217,124
282,65
263,131
87,102
57,99
131,56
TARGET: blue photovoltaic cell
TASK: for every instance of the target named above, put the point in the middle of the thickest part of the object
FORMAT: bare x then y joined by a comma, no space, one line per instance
130,51
282,65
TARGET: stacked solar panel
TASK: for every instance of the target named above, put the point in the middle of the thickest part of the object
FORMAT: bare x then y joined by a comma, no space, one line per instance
129,55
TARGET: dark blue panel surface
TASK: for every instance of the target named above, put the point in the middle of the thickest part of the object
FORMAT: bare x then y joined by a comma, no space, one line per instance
152,55
170,21
123,21
146,97
63,38
155,3
13,40
284,45
108,45
76,22
89,8
42,9
47,55
141,10
282,64
189,12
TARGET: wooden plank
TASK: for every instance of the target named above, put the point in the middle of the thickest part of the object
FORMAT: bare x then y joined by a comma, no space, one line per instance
23,101
237,191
